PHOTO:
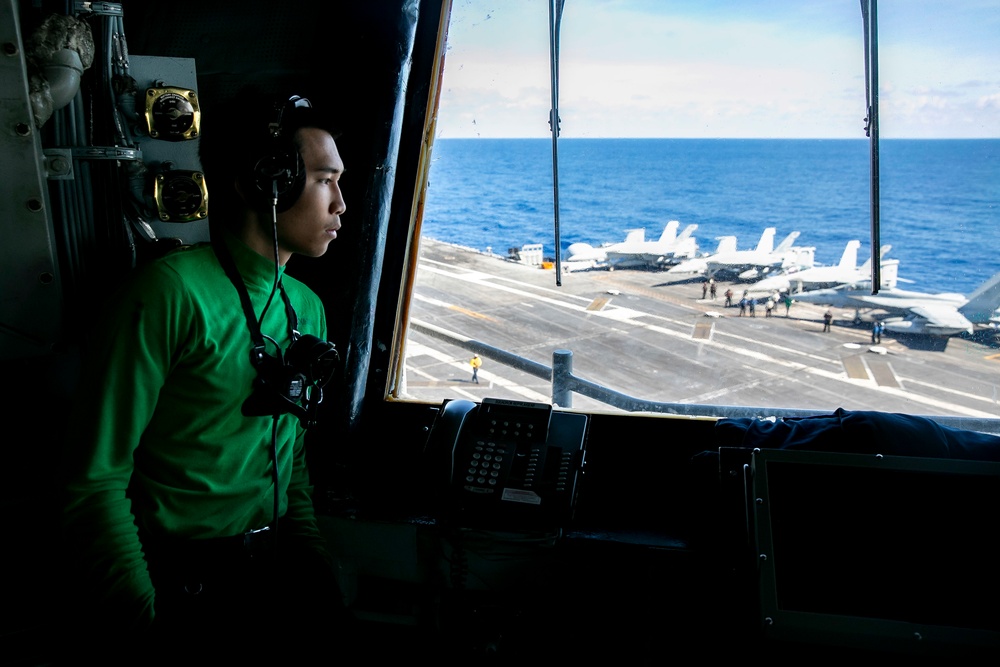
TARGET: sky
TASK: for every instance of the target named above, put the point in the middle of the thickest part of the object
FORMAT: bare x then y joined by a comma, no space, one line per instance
722,68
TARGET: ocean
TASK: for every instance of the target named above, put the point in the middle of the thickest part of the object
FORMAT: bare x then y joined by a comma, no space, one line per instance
940,199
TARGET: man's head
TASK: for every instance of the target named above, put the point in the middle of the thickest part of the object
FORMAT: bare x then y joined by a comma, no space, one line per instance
255,151
312,221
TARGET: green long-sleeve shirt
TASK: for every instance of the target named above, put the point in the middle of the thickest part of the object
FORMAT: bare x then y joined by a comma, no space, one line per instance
157,441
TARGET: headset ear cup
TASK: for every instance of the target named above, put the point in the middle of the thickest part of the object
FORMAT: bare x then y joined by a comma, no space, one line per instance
281,171
296,183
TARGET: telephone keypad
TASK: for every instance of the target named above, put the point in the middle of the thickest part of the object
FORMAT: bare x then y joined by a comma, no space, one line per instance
486,464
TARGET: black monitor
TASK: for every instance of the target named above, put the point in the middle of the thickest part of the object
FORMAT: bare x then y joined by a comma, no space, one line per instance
880,553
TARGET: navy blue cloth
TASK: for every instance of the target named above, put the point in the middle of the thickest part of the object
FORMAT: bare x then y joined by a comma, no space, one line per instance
860,432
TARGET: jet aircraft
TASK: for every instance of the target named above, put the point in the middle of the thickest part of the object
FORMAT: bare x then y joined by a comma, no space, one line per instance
846,271
636,251
698,265
662,252
941,314
585,256
765,258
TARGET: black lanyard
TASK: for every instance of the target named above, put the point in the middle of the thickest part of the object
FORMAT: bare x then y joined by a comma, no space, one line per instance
253,324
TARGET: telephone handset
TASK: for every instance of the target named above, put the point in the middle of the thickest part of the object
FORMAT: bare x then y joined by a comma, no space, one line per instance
509,463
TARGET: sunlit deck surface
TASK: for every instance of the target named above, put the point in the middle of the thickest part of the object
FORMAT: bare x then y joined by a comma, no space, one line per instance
642,333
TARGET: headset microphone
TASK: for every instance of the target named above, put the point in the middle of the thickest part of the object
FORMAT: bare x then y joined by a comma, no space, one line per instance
293,382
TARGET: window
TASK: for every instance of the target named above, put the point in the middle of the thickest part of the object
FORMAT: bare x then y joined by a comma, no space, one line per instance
729,118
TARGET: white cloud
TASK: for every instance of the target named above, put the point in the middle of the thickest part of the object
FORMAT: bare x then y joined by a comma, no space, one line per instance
989,102
645,69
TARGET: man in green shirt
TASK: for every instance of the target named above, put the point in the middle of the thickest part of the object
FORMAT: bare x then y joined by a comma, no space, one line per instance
189,507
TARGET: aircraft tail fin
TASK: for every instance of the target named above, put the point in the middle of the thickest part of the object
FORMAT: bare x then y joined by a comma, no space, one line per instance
886,265
849,260
636,235
726,244
686,234
889,273
983,302
786,243
766,243
670,232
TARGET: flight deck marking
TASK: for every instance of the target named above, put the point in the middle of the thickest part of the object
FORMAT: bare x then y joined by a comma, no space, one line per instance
598,303
855,368
937,387
472,313
882,372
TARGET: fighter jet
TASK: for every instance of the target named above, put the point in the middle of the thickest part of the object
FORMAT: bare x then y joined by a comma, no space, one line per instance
699,265
636,251
846,271
585,256
762,260
923,313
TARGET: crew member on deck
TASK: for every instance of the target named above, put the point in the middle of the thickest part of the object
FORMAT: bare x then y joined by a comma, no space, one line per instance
475,362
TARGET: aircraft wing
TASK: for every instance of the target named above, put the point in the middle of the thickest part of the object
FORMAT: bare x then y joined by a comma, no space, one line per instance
930,320
942,317
837,298
890,304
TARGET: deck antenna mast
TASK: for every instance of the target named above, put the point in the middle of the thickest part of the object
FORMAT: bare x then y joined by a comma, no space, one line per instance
555,19
869,15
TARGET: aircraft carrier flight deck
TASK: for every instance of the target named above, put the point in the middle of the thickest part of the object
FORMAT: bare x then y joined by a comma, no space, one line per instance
639,334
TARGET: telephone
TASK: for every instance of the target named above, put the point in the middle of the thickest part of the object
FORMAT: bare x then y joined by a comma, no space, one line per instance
508,464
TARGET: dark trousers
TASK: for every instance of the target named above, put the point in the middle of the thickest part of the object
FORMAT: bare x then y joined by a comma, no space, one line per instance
235,599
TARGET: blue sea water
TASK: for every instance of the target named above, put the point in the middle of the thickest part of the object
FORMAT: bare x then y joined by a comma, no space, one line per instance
939,204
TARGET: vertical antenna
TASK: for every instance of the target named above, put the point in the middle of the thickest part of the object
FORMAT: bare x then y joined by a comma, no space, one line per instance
555,19
869,14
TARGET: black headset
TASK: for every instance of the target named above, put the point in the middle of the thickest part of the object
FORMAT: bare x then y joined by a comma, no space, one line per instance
279,175
292,381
